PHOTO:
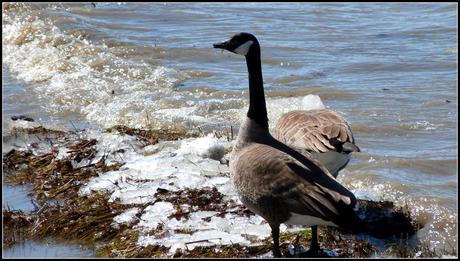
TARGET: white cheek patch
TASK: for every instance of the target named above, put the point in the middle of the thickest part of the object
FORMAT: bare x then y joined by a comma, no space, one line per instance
244,48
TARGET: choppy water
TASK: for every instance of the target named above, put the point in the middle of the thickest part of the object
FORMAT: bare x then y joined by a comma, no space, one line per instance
391,69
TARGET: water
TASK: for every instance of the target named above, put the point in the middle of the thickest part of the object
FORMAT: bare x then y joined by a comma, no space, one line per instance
51,249
391,69
16,197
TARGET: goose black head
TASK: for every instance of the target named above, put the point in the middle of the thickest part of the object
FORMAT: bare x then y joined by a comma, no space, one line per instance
240,43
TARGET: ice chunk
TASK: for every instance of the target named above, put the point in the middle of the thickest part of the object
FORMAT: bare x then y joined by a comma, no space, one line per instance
206,147
155,214
126,217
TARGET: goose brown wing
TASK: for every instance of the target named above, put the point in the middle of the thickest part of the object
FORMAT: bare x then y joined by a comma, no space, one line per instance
264,171
317,195
315,130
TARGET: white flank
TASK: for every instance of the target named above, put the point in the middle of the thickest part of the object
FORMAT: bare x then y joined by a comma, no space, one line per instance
298,219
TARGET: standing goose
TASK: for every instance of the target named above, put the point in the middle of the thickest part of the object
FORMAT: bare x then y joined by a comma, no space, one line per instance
323,133
274,180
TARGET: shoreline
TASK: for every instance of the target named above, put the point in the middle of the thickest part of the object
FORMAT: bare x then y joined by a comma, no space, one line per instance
72,207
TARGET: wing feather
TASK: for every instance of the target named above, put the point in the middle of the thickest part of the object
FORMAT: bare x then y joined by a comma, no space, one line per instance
313,130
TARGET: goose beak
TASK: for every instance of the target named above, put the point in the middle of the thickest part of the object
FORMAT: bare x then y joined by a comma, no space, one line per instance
222,45
350,147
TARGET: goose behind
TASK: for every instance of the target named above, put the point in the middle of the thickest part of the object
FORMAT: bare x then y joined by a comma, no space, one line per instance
274,180
322,132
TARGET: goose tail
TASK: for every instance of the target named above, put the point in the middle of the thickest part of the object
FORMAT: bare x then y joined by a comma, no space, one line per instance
380,219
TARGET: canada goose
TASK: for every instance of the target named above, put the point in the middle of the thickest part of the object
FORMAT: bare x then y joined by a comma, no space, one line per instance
323,133
274,180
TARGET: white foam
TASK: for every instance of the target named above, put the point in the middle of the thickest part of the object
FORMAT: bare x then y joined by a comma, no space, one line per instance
312,102
76,75
277,106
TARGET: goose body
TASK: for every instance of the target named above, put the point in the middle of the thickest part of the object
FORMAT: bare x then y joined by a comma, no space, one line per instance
283,185
322,132
274,180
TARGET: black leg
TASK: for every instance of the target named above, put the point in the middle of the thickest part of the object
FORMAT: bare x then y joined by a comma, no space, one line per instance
276,239
314,250
314,246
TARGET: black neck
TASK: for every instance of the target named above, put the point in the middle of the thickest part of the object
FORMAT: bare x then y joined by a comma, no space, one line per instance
257,108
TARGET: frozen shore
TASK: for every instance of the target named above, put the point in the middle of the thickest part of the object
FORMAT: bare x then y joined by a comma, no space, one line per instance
167,193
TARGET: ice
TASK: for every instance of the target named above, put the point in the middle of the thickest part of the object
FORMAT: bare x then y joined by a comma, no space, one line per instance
229,190
331,253
449,256
105,182
141,193
253,226
231,229
126,217
206,147
149,168
173,166
156,214
216,181
166,146
23,124
200,238
171,162
62,153
196,221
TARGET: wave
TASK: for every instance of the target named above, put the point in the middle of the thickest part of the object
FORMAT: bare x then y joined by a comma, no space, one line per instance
398,129
440,223
436,167
70,73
